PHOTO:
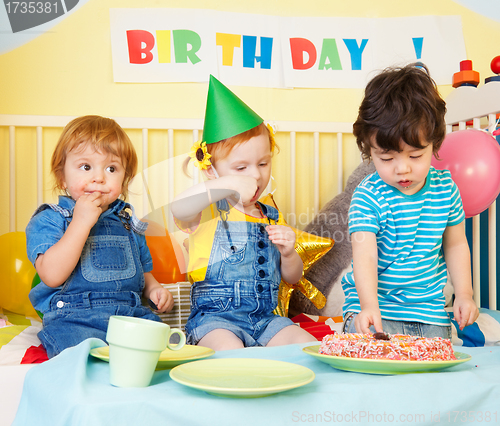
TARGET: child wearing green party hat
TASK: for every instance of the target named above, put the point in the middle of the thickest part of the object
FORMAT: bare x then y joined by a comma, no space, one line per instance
239,248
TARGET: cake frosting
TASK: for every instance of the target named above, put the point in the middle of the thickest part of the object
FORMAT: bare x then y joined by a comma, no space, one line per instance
398,347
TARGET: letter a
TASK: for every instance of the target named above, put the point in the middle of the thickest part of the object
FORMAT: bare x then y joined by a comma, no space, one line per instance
329,51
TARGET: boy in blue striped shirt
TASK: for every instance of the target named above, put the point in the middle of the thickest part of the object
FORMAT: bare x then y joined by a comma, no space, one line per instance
406,220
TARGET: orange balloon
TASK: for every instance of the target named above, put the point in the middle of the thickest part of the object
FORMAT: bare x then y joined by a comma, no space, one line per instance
168,259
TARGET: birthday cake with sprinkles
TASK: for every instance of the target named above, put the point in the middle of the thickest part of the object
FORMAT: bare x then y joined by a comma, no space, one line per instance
398,347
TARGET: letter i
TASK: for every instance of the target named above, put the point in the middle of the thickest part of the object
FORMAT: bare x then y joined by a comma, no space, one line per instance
163,46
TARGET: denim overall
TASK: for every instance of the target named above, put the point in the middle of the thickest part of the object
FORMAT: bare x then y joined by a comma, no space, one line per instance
108,280
240,290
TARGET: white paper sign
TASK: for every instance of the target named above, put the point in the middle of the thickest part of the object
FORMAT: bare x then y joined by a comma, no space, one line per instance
187,45
162,45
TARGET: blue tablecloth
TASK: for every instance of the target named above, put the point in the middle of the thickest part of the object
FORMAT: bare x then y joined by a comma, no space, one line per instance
73,389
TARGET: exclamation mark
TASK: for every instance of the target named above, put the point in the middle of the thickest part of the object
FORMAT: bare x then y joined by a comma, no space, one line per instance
417,44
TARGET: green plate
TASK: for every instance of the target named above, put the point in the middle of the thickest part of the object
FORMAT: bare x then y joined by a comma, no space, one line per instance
168,358
382,366
242,377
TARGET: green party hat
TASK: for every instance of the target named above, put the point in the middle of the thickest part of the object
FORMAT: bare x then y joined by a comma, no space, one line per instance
226,115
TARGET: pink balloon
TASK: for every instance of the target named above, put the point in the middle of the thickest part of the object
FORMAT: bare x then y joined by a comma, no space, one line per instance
473,158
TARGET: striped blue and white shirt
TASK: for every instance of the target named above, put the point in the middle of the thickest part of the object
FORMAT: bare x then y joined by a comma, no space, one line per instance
409,229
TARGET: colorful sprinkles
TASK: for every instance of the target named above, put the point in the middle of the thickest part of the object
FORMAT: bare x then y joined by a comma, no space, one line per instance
398,347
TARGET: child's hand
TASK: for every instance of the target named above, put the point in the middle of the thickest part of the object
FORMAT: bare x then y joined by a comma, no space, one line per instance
245,187
366,318
291,266
163,299
88,209
465,311
283,237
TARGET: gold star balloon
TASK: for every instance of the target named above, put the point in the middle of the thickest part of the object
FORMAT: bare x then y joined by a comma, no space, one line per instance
310,248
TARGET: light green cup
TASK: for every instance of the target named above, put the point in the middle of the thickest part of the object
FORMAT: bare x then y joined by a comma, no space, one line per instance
135,345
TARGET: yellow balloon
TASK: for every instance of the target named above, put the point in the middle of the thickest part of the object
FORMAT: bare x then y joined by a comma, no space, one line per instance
310,248
16,274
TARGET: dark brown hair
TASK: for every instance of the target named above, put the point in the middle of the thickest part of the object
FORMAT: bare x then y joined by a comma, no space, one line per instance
401,104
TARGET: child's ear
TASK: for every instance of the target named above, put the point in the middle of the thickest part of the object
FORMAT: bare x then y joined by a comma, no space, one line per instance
209,173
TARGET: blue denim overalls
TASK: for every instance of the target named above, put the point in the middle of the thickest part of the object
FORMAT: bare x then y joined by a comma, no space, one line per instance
108,280
240,290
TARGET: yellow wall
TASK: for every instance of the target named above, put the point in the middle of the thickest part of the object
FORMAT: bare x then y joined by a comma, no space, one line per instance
68,71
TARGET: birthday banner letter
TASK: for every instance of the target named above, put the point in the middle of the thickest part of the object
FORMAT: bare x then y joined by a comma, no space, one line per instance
187,45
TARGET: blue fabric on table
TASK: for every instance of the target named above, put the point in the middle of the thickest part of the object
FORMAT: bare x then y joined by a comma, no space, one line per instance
73,389
484,332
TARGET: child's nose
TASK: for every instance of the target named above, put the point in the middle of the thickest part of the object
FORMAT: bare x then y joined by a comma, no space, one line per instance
98,176
402,167
255,173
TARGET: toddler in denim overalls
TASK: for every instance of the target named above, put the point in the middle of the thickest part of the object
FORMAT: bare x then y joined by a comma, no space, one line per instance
89,249
239,248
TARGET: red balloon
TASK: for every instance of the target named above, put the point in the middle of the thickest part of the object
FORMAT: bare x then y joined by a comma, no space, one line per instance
473,158
495,65
168,259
